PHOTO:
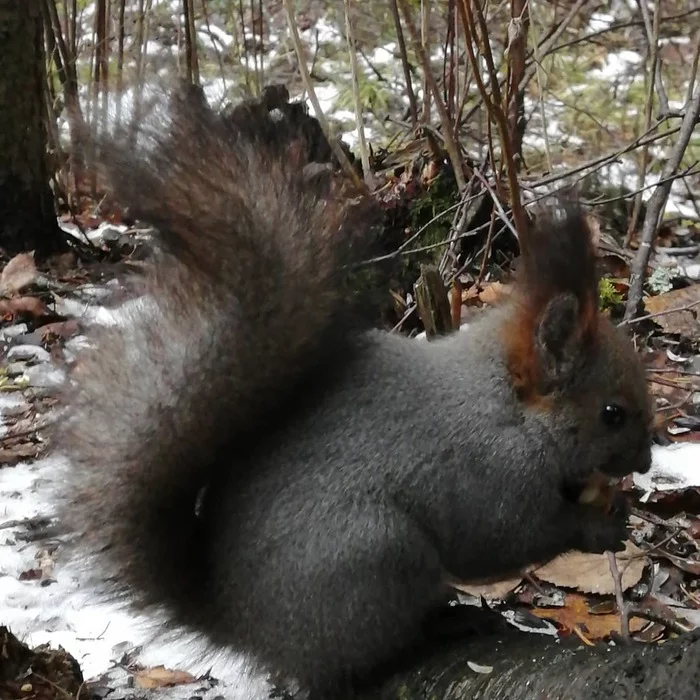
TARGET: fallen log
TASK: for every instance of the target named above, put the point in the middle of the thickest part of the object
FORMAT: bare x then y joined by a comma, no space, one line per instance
532,667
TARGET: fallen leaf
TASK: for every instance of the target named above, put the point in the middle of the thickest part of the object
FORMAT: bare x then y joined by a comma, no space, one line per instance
23,305
577,614
430,172
490,293
493,590
494,292
19,272
685,564
59,329
18,453
19,427
653,633
63,263
683,322
30,575
590,573
161,677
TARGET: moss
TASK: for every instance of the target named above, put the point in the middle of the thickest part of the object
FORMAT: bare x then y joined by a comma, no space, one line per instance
609,299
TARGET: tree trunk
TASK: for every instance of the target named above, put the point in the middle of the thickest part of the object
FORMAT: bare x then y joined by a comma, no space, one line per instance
27,215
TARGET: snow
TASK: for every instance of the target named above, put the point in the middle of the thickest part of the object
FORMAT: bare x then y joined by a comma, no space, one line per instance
215,37
153,47
674,468
600,21
326,96
617,65
215,92
322,32
383,55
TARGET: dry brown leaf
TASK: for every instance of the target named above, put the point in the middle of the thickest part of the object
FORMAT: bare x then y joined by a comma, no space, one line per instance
430,172
18,453
59,329
490,293
494,292
576,613
23,426
23,305
684,323
692,567
161,677
19,272
493,590
590,573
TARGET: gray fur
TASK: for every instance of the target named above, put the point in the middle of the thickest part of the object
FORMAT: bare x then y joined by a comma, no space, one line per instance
347,474
420,464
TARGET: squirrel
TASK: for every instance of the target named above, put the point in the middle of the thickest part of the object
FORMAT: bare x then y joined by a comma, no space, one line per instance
248,455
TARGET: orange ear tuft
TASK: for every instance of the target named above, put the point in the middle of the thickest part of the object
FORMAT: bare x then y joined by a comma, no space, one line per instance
521,356
556,314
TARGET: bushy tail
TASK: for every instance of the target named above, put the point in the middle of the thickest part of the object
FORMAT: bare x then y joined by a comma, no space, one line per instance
248,294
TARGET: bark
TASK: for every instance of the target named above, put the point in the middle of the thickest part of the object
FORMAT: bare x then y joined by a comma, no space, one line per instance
532,667
27,215
517,49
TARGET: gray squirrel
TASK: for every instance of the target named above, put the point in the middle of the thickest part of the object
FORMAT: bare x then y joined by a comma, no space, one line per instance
247,455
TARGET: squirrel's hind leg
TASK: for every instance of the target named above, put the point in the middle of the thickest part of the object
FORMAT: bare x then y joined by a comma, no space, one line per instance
357,611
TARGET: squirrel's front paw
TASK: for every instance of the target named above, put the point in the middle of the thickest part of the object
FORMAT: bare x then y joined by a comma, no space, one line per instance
605,532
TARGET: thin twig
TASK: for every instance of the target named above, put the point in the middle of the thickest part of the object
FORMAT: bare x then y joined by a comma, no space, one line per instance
425,43
653,77
694,69
665,312
451,145
487,250
646,613
306,78
619,597
601,161
401,250
413,106
494,104
547,46
364,151
651,28
686,172
518,29
657,204
540,74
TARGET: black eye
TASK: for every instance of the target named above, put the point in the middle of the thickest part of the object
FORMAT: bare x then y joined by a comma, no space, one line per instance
613,415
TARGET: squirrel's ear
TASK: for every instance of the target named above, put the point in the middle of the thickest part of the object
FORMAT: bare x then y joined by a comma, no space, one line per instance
558,338
555,321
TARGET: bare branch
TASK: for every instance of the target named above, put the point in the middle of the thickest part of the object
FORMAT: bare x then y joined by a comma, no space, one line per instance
364,152
413,106
657,203
304,70
447,127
